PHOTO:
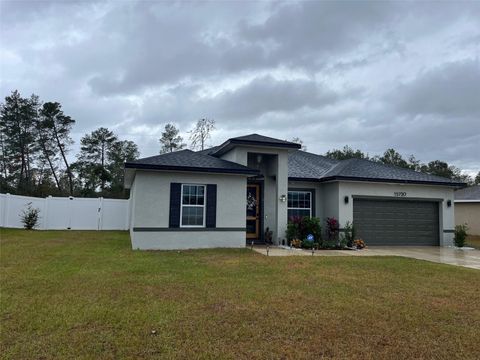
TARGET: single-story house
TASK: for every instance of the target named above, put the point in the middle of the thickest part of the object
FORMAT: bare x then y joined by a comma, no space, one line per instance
467,208
228,195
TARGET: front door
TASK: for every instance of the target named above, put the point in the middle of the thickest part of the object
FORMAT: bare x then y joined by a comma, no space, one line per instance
253,211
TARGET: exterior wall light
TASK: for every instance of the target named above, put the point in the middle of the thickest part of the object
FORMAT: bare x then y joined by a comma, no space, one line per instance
283,198
345,199
449,203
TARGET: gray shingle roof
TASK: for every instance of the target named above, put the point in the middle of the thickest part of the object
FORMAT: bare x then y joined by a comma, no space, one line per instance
308,166
253,140
264,139
361,168
302,164
208,151
471,193
187,160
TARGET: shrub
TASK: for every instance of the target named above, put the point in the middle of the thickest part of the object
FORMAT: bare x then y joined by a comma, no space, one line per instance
293,228
30,217
349,234
460,235
311,225
300,227
332,230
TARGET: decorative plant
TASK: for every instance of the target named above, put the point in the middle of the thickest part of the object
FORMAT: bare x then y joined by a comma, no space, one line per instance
349,233
333,230
298,228
296,243
30,217
311,225
293,228
342,241
359,244
268,236
460,235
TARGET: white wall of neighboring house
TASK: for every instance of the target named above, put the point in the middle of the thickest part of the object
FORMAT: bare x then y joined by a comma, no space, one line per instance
60,213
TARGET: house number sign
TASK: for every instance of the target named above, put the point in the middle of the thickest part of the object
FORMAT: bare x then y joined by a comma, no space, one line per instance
400,194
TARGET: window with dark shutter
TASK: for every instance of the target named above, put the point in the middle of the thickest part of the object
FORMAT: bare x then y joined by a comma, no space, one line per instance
175,198
193,205
211,217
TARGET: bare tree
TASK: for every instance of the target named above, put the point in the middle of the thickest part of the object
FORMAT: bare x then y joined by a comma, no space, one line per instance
201,133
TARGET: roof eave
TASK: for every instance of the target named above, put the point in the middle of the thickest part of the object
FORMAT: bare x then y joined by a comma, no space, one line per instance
229,144
191,169
396,181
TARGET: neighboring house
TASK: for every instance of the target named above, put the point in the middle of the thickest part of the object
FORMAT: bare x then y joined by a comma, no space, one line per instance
228,195
467,208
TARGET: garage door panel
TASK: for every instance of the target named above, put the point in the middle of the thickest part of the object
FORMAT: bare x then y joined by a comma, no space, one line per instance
396,222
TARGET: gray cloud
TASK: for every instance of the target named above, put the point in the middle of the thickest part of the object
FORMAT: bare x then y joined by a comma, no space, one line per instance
370,74
452,89
265,94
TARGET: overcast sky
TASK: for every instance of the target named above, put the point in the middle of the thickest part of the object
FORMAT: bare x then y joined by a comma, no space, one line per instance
369,74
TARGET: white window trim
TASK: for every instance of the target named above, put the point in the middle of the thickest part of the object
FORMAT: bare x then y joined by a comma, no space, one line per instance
294,208
204,206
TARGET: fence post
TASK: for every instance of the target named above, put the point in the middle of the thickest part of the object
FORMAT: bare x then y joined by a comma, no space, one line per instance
6,208
46,207
70,205
100,213
127,217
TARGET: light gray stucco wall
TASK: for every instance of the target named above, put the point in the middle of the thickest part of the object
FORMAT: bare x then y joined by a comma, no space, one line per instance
331,200
151,206
384,190
275,171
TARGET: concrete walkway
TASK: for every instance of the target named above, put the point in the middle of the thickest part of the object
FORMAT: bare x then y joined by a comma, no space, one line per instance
444,255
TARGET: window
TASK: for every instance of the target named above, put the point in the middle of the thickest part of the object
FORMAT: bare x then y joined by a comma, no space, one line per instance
192,212
299,203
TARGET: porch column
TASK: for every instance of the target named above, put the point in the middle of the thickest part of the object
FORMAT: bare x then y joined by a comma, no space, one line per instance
281,189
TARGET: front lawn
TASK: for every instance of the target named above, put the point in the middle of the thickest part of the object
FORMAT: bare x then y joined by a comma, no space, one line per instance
85,294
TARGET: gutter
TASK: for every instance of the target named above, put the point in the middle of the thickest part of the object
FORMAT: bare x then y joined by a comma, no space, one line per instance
377,180
245,171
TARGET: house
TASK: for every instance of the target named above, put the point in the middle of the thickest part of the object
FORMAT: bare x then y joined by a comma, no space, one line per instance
467,208
226,196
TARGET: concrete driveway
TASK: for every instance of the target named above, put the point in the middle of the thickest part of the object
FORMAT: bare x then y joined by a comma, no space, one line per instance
443,255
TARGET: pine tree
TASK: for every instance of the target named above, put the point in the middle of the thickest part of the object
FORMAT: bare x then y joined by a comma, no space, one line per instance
17,125
171,140
118,154
92,159
57,127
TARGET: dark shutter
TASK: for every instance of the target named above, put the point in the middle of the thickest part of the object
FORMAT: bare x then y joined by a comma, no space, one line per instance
175,198
211,220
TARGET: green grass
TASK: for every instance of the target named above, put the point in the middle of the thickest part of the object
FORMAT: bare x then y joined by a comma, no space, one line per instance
82,294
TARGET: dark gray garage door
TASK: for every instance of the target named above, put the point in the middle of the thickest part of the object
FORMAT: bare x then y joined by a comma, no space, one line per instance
396,222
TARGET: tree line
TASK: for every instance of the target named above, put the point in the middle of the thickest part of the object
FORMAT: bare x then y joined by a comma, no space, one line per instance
392,157
35,143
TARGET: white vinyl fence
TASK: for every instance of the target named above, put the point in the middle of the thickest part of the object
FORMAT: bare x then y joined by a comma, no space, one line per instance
60,213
